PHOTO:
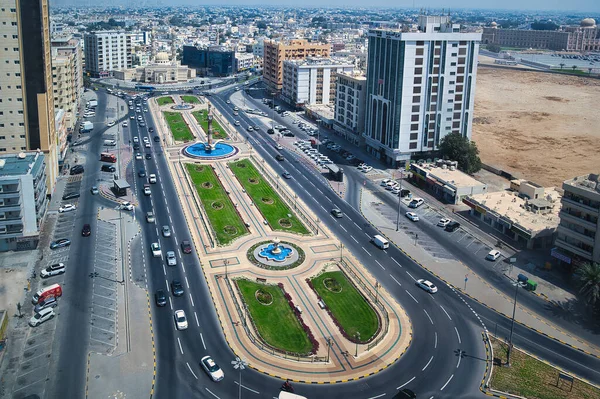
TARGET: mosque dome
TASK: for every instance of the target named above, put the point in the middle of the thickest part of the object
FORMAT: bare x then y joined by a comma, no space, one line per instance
161,58
588,22
494,24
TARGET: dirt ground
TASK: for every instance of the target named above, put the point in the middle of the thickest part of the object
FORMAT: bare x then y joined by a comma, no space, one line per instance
538,126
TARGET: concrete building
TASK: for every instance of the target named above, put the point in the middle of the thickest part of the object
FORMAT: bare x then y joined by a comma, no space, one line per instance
275,53
23,200
312,80
67,50
420,87
527,214
349,114
258,48
107,51
578,238
162,70
538,39
445,181
26,98
585,37
209,61
243,61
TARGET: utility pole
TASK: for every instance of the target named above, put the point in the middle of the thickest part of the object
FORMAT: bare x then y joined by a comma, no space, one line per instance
357,338
329,343
399,202
239,364
512,324
377,285
341,251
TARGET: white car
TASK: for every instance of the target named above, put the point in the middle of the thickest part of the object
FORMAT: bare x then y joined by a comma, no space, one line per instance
67,208
228,102
416,202
42,316
132,117
136,139
443,222
152,178
171,259
147,144
127,206
384,182
124,124
111,123
493,255
180,320
279,147
53,270
138,156
427,286
237,123
156,251
367,169
412,216
212,369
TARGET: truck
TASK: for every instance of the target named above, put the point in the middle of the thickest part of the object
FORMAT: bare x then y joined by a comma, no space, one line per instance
86,127
380,242
92,104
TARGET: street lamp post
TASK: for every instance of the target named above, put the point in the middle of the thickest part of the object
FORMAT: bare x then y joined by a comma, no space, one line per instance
399,202
341,251
239,364
512,324
377,285
357,338
226,261
329,343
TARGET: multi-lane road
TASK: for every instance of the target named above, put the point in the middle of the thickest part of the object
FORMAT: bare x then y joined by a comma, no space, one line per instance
446,358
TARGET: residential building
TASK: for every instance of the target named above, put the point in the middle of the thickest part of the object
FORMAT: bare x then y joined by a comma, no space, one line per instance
527,214
311,80
578,238
211,61
275,53
66,48
107,51
349,114
420,87
26,98
243,61
23,199
445,181
258,48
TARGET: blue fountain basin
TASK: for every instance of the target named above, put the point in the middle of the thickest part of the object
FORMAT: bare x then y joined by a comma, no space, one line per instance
267,252
200,150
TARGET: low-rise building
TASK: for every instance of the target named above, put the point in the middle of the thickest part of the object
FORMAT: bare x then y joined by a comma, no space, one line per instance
209,61
578,238
23,200
243,61
445,181
162,70
351,94
526,214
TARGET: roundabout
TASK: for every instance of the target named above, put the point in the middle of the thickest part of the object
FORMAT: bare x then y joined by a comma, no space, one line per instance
201,151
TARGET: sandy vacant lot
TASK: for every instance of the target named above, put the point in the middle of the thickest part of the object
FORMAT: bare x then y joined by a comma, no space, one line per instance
539,126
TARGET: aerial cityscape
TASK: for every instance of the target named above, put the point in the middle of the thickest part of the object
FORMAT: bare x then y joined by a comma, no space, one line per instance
299,201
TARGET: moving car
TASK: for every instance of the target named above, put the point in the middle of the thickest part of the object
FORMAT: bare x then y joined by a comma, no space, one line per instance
148,155
286,175
94,190
71,196
147,189
279,157
127,206
156,138
337,213
186,247
443,222
142,173
493,255
166,231
60,243
152,178
53,270
180,320
111,123
138,156
42,316
86,231
67,208
171,259
156,251
426,285
160,298
176,288
412,216
212,369
150,217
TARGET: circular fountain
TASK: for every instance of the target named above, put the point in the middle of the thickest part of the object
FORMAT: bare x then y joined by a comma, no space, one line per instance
276,255
212,149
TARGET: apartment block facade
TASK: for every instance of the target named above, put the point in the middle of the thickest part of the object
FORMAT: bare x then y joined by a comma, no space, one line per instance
275,53
420,87
67,76
539,39
107,51
23,200
311,80
578,235
26,93
351,93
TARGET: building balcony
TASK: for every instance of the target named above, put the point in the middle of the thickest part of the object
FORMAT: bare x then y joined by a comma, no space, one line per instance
576,235
579,205
573,249
578,220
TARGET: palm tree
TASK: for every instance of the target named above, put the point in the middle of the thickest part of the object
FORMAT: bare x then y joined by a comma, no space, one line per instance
590,282
574,67
562,64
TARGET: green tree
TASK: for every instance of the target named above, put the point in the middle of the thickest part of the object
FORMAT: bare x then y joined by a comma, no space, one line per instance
590,282
458,148
493,47
562,64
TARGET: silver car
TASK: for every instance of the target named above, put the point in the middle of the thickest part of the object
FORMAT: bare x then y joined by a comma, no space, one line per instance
171,259
166,231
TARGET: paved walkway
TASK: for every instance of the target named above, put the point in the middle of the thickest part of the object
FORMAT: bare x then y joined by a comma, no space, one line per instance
453,273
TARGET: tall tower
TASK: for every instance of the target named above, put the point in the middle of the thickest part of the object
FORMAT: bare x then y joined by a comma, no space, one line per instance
27,117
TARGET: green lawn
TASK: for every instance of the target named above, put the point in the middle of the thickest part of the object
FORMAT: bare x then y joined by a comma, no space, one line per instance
348,306
268,202
225,221
218,131
276,323
179,129
531,378
190,99
570,70
165,100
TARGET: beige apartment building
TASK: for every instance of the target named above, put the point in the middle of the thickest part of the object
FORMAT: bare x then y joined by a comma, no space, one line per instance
67,76
277,52
26,98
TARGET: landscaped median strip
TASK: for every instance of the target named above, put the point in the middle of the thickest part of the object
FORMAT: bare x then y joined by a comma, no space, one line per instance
190,99
202,119
220,211
179,129
279,216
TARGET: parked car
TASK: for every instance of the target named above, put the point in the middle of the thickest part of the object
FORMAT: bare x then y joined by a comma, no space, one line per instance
493,255
67,208
416,202
42,316
76,170
53,270
426,285
108,168
68,196
48,302
443,222
412,216
452,226
212,369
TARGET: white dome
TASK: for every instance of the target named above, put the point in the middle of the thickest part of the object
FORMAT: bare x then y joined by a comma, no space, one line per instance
588,22
161,58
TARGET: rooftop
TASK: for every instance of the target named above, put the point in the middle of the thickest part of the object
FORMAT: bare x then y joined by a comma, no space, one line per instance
17,164
589,183
449,175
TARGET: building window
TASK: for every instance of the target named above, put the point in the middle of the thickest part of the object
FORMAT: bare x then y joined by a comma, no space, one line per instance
415,108
412,146
414,127
419,51
414,118
416,89
416,99
418,71
414,136
417,80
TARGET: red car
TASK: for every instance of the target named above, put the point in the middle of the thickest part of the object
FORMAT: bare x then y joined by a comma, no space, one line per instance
186,247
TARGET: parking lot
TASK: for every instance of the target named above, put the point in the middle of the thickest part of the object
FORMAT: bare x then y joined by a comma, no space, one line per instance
103,316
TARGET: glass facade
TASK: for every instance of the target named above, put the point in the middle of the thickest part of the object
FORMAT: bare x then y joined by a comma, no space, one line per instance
210,62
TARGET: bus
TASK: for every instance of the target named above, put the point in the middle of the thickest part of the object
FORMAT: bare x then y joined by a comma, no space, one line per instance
144,88
108,157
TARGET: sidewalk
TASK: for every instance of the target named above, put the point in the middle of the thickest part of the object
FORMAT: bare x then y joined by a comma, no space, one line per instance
453,273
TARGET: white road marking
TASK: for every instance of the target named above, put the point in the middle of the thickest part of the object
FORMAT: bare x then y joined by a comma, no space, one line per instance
249,389
414,279
201,336
447,382
365,250
459,356
446,312
397,282
355,240
170,220
176,243
157,231
406,383
427,364
183,267
428,316
435,343
396,262
164,270
458,335
180,348
187,283
411,296
196,316
376,261
378,396
191,371
208,390
343,228
167,281
192,300
170,303
356,225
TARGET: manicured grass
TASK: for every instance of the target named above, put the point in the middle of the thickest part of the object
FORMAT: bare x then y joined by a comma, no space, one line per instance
190,99
570,70
276,323
531,378
268,202
179,129
221,213
165,100
201,118
348,306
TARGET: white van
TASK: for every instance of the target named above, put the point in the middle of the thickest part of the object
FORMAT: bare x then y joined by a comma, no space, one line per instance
380,242
110,143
